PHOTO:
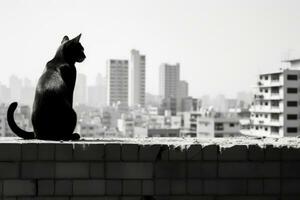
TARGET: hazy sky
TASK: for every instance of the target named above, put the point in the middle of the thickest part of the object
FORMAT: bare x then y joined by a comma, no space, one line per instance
221,45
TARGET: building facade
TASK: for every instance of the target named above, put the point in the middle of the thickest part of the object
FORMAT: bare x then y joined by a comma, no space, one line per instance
137,79
117,82
275,110
169,76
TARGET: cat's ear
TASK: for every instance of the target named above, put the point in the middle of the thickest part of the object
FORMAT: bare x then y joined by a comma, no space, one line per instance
77,38
66,38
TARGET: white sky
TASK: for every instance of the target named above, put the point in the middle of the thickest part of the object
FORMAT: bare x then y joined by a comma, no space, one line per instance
221,45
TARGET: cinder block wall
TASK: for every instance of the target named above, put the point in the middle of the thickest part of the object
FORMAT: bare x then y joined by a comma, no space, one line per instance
120,171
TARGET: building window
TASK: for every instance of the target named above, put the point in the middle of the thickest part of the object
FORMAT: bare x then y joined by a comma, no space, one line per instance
218,135
256,127
274,116
256,115
292,90
266,90
219,127
292,116
292,77
266,103
292,129
266,77
266,128
275,90
231,124
275,77
292,103
266,115
274,130
275,103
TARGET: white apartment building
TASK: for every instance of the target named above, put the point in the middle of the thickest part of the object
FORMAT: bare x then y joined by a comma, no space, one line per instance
137,81
218,126
117,82
275,111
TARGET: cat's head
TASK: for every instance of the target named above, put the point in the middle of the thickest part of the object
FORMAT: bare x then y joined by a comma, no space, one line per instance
72,49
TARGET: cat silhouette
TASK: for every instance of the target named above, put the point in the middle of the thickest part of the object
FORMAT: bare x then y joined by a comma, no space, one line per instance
53,117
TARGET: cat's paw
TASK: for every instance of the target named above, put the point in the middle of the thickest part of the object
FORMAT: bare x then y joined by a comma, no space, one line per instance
75,136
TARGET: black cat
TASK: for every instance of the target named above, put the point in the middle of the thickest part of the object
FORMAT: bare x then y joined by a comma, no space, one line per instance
53,117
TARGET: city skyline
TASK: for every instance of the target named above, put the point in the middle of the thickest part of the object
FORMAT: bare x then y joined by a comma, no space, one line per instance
221,46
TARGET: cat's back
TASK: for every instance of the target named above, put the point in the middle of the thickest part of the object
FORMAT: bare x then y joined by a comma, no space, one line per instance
50,81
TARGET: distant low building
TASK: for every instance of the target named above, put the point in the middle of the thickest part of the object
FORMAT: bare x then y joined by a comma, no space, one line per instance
218,126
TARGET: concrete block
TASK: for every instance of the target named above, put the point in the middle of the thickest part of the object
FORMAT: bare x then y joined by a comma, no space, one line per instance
290,186
29,152
162,187
72,170
194,152
255,186
291,169
210,186
113,152
88,187
249,169
45,187
256,153
148,152
176,153
97,170
170,170
133,170
194,186
272,153
19,188
90,152
63,187
272,186
232,187
202,169
148,187
113,187
46,151
290,154
130,152
37,169
9,170
178,186
210,152
132,187
63,152
235,153
10,152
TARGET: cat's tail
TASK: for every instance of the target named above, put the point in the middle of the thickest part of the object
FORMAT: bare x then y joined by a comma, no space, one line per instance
13,126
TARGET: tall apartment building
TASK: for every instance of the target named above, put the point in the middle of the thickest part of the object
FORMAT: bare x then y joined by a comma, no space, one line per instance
183,89
137,81
275,111
169,76
117,82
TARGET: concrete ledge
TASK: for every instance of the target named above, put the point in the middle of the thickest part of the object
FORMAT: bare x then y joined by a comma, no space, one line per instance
162,168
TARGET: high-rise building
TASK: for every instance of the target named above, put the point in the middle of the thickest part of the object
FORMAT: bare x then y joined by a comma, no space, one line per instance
80,93
117,82
169,80
137,82
275,111
183,89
